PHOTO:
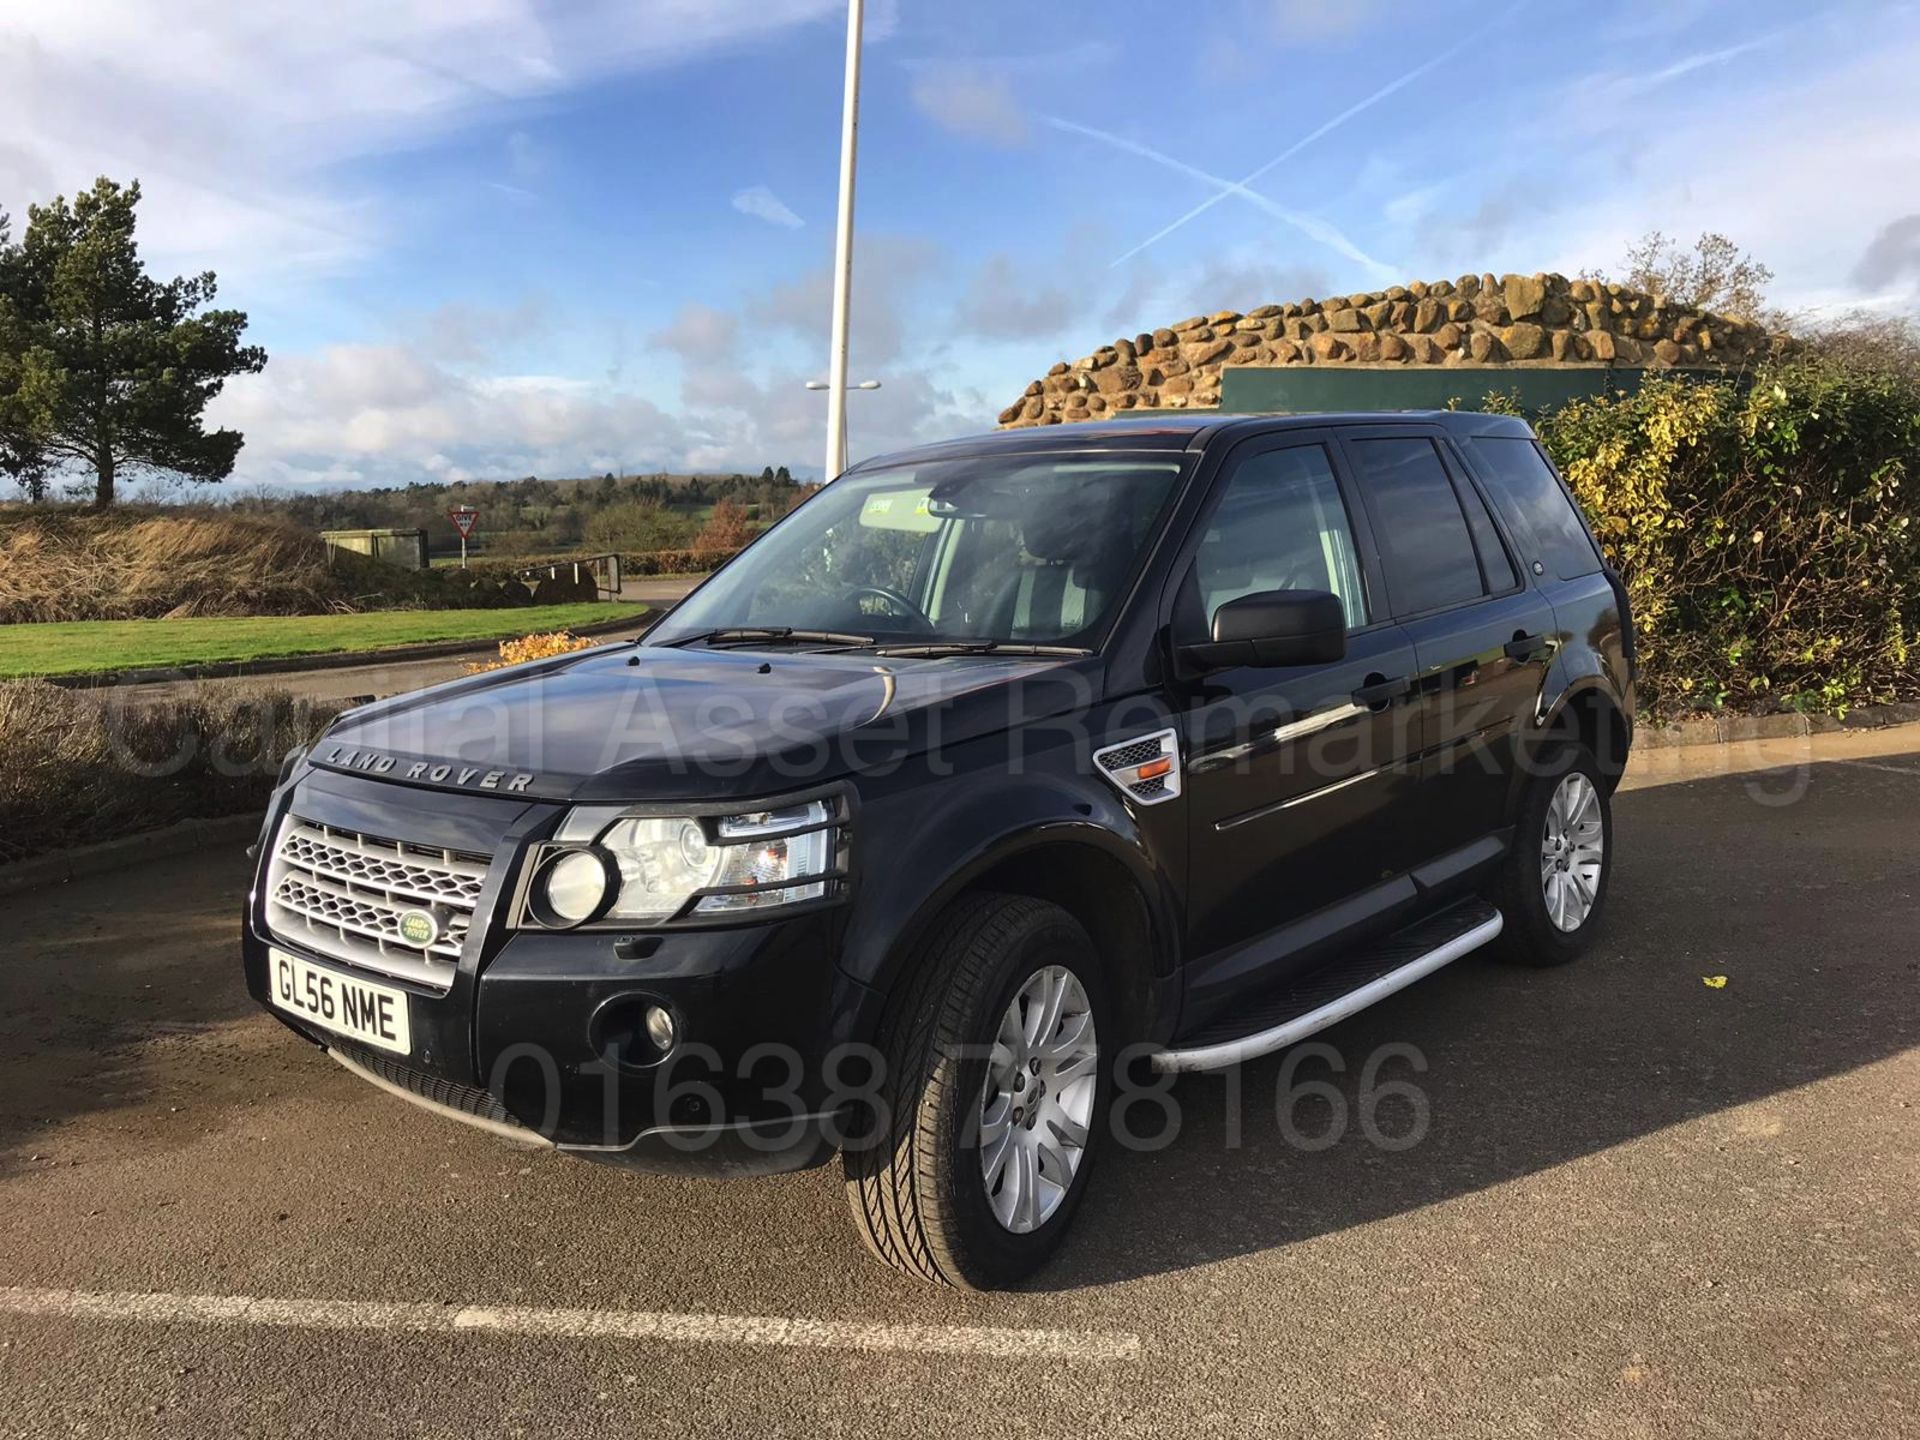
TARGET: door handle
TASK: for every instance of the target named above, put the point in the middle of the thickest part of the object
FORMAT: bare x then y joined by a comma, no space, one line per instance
1527,647
1380,693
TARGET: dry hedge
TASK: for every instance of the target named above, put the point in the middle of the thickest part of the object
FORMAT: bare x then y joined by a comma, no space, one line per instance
133,564
78,766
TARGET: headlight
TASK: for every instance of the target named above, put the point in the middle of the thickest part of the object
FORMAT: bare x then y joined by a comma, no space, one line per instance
647,868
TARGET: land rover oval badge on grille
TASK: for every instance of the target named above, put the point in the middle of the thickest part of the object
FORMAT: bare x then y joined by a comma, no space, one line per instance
419,927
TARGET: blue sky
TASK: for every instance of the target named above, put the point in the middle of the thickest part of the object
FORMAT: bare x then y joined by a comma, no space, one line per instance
498,237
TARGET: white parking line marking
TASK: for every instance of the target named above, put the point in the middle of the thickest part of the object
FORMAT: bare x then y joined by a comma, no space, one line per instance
247,1310
1890,769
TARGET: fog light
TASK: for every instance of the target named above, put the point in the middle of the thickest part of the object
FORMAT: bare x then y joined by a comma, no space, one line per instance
660,1028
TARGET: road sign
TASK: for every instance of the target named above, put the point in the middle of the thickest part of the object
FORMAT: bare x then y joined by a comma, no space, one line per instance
464,518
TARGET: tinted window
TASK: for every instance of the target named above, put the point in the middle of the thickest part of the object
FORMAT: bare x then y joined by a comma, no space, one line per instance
1280,526
1523,485
989,547
1495,566
1423,535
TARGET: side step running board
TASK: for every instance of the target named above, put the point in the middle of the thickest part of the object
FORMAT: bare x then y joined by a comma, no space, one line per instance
1373,975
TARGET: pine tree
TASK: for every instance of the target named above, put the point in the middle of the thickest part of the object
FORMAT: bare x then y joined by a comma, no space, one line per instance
102,367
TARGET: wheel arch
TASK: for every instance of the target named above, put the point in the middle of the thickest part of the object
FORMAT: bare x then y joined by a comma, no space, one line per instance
1588,715
1100,878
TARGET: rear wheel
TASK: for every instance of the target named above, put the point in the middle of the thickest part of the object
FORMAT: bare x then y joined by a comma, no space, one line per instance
1552,888
994,1095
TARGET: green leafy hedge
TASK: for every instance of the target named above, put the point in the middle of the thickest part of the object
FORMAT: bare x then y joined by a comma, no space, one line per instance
1765,531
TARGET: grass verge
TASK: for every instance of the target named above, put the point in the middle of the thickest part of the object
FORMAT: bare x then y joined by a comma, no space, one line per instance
95,646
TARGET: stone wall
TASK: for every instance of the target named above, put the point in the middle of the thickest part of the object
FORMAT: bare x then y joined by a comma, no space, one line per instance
1477,320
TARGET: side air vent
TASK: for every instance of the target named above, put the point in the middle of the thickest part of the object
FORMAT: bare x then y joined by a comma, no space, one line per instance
1146,769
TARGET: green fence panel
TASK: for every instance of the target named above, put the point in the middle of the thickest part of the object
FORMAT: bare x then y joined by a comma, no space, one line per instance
1257,389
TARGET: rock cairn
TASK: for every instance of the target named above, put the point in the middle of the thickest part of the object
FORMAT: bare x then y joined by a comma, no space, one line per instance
1477,320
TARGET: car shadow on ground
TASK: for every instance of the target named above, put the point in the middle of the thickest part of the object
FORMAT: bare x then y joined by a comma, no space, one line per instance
1799,888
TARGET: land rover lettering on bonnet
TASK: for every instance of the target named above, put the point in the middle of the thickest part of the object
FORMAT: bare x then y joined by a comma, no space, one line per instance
995,774
428,772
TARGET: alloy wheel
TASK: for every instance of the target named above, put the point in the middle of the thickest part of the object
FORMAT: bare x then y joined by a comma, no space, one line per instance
1037,1101
1572,852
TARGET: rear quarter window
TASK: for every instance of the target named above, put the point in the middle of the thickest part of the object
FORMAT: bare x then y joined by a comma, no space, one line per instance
1535,505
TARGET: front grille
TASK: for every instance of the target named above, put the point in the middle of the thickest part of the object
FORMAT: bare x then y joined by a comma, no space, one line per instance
341,894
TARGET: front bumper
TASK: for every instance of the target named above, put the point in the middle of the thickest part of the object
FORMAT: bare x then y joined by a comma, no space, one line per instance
739,1148
541,1036
538,1047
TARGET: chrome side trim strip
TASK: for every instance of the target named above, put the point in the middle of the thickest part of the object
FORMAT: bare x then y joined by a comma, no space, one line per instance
1265,810
1251,1047
518,1134
1292,730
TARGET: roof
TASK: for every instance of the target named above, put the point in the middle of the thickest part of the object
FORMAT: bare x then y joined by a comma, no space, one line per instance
1187,430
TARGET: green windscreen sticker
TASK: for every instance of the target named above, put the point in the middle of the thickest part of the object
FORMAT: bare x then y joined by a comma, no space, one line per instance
900,510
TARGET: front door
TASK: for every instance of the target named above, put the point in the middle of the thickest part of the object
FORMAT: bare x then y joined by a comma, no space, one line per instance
1294,775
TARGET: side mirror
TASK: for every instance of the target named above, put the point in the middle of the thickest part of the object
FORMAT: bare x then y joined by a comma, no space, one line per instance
1274,627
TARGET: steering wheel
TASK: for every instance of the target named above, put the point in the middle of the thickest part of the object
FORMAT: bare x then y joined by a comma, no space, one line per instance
899,605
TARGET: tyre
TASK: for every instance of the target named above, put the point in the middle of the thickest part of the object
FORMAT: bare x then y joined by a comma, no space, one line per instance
994,1096
1552,888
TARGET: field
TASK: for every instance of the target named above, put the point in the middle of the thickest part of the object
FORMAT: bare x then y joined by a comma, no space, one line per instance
94,646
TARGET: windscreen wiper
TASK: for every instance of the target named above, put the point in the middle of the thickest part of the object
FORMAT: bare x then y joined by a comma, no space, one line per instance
772,634
931,649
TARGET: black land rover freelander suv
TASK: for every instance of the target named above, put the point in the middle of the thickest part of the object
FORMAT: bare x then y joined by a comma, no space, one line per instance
994,774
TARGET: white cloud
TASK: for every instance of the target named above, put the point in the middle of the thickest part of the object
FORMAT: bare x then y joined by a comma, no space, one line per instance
761,203
463,333
887,270
388,414
423,405
701,334
233,114
971,99
1008,300
1802,173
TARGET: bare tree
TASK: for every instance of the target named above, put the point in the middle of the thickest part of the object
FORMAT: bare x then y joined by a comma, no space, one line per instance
1715,274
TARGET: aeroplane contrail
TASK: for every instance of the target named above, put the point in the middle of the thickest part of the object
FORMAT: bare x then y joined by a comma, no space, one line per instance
1313,226
1326,129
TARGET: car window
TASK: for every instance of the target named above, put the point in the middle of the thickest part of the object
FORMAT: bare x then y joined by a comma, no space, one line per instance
1496,567
1424,542
988,547
1528,493
1280,525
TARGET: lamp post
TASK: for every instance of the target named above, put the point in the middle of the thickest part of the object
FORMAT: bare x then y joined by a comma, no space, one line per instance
842,427
843,249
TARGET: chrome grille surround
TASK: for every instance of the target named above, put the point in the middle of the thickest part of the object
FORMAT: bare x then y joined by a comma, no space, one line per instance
341,894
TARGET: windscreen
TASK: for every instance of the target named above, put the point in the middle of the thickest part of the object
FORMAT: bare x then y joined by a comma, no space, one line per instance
1009,549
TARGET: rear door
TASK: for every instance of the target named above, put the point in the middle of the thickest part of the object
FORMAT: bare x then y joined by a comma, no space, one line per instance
1482,637
1295,776
1555,546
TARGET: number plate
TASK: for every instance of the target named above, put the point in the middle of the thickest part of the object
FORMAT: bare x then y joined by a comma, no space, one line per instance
373,1014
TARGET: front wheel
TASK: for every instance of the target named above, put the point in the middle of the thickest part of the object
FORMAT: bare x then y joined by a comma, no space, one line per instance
1552,888
994,1095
